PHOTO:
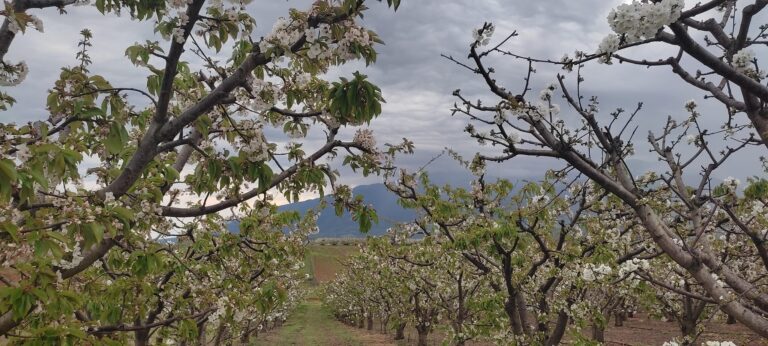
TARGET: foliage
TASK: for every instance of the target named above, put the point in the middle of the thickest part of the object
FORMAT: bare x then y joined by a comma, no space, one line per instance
112,227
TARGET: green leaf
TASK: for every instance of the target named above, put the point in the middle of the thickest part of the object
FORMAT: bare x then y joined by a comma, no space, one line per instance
124,214
265,177
38,177
94,233
116,139
8,169
8,177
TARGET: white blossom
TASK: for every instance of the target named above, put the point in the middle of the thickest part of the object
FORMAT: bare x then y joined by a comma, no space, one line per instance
642,20
303,79
608,46
731,182
37,23
257,149
23,153
178,35
719,343
482,36
365,139
743,61
12,75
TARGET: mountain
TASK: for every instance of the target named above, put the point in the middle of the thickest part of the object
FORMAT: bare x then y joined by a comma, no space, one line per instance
332,226
384,201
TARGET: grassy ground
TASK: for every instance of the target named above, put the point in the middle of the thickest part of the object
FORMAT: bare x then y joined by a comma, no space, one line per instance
313,324
322,262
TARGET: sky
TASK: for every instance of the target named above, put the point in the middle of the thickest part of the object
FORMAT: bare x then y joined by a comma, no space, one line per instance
416,81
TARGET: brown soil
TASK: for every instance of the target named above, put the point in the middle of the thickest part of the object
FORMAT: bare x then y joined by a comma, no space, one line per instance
642,330
638,331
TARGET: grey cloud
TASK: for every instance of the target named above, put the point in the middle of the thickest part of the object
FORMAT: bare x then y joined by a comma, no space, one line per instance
415,80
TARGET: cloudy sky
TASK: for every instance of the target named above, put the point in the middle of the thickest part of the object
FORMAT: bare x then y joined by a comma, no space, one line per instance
417,83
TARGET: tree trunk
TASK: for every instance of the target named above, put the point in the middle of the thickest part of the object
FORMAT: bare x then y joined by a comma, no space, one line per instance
201,333
514,318
458,329
730,320
619,318
526,320
688,328
423,333
369,320
559,330
400,331
220,334
598,333
141,337
247,334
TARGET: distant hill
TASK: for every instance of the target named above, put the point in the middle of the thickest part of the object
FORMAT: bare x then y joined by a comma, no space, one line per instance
384,201
332,226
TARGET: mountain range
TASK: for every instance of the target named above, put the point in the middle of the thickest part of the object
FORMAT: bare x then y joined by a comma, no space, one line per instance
330,225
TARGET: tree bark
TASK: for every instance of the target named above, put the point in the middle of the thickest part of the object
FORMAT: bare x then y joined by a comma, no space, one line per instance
246,334
201,333
688,328
620,316
400,331
141,337
423,333
220,334
514,319
598,333
369,320
559,330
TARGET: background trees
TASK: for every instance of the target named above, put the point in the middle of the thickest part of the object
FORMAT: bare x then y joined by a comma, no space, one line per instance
617,225
681,208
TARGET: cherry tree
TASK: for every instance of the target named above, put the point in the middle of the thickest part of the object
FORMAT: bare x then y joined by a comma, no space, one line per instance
412,281
87,194
545,256
716,43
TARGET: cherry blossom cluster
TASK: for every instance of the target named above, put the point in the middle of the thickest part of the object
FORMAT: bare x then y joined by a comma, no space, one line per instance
731,183
30,20
629,267
641,20
744,62
323,46
636,21
12,75
365,139
591,272
482,36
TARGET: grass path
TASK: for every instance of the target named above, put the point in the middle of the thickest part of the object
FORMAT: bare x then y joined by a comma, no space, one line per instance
312,324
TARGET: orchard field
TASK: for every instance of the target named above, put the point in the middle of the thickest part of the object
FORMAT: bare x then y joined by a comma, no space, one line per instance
552,172
314,324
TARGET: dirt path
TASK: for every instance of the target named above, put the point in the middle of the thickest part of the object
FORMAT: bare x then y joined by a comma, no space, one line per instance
311,324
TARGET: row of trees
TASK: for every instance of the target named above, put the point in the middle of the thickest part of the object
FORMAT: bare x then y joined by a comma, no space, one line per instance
403,284
110,223
598,238
525,265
